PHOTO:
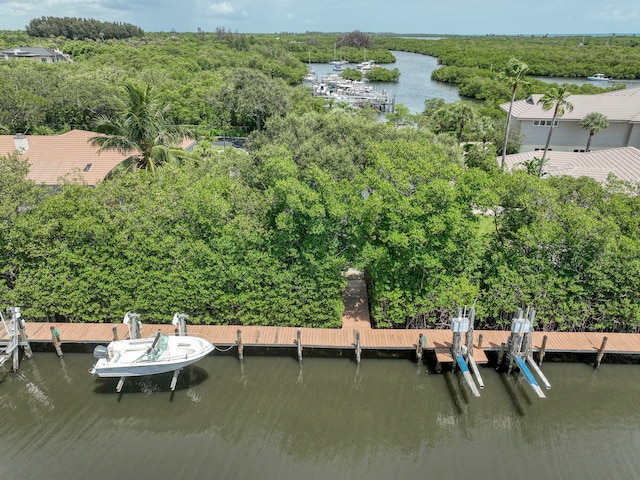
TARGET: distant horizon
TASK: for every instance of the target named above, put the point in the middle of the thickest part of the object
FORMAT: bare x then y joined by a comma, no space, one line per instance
402,17
380,33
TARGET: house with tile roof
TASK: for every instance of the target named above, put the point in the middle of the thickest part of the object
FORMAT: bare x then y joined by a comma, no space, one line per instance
36,53
52,157
621,107
623,162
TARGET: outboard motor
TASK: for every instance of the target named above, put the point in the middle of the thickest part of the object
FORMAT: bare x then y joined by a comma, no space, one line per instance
100,352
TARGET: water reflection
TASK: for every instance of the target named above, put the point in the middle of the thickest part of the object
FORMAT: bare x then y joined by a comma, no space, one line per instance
188,378
275,418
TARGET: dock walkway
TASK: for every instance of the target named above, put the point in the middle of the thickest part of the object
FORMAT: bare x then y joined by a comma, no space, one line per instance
355,319
339,338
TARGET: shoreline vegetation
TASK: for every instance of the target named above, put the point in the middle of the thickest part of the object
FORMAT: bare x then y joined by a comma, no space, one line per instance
262,237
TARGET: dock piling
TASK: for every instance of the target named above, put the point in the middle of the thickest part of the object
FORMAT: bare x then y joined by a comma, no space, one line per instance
239,343
600,353
543,347
55,338
500,356
24,341
115,333
422,343
357,343
16,360
299,344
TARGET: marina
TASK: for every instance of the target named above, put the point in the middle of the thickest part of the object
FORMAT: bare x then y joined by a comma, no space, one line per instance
355,93
414,86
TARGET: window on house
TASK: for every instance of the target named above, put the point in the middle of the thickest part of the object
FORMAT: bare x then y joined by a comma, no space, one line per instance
544,123
87,167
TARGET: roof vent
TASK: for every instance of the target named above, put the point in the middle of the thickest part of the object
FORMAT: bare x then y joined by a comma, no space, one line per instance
21,142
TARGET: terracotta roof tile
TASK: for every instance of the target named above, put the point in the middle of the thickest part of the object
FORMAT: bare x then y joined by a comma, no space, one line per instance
54,156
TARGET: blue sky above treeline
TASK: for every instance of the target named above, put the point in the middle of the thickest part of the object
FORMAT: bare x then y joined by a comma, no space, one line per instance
471,17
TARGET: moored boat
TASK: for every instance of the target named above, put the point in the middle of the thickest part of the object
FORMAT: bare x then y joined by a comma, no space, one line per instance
149,356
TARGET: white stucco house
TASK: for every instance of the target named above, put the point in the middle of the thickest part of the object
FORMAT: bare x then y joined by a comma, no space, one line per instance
621,107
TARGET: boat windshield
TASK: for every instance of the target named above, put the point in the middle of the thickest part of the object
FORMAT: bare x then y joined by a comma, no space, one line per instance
161,346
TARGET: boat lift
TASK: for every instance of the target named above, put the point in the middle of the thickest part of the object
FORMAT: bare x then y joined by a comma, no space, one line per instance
519,351
135,327
463,354
17,337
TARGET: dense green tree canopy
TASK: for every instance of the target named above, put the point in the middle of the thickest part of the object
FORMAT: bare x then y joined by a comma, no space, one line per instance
262,236
80,28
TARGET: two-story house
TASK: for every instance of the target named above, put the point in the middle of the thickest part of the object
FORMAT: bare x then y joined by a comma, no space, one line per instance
621,107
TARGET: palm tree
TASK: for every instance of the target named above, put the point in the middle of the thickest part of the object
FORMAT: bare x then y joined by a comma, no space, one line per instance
141,128
594,122
462,114
516,72
556,98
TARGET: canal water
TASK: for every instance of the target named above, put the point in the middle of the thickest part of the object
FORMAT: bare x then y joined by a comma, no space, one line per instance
270,418
585,81
415,84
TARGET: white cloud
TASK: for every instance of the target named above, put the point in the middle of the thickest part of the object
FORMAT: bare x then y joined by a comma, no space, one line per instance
612,14
225,9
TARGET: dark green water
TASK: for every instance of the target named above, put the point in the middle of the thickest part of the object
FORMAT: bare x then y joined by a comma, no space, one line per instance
266,418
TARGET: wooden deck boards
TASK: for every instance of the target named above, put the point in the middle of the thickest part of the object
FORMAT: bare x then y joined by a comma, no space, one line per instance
344,338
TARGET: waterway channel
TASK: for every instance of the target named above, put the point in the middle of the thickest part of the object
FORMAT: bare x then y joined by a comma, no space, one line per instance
270,418
415,84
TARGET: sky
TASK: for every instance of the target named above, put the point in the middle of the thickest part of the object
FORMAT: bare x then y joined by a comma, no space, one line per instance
470,17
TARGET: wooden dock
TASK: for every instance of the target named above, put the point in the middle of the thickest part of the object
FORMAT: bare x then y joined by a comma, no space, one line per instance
438,341
356,326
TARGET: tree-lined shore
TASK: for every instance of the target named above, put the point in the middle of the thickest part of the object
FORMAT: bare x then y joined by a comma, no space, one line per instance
262,237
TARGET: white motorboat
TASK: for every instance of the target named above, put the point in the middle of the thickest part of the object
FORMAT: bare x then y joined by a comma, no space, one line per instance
599,77
149,356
